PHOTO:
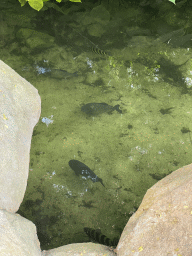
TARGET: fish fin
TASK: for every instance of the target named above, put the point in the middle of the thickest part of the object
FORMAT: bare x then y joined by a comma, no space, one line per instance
116,107
102,183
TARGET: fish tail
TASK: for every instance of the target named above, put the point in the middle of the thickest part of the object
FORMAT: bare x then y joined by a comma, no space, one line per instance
98,237
116,107
100,180
102,183
98,51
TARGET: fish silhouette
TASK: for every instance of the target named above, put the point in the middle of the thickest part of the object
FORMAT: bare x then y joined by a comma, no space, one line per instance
99,51
62,74
81,169
98,237
94,109
54,72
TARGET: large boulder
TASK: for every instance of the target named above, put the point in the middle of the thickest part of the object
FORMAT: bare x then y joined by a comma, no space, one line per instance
20,108
18,236
85,249
163,223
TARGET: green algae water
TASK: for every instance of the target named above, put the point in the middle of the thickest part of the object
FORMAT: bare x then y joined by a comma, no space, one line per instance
130,151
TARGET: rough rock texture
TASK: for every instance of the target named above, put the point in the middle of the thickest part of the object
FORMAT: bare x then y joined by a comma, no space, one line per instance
20,108
163,223
90,249
17,236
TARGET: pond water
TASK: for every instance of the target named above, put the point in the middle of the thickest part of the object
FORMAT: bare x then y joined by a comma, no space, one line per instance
78,58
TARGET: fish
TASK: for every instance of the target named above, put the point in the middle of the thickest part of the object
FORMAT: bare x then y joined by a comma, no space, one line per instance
98,237
54,72
94,109
99,51
81,169
170,36
61,74
181,41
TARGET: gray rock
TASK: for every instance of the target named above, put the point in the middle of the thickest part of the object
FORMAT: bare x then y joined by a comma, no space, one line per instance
18,236
20,110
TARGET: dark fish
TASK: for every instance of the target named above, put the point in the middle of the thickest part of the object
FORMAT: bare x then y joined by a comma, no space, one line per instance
94,109
99,51
82,169
100,238
54,73
61,74
170,35
180,41
165,111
